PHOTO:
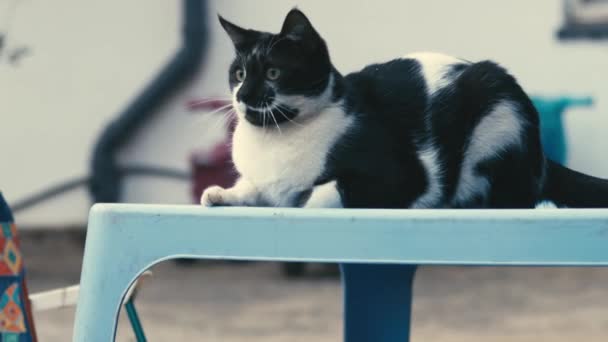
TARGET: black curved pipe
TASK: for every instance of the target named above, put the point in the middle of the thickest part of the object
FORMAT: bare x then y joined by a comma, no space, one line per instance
75,183
106,175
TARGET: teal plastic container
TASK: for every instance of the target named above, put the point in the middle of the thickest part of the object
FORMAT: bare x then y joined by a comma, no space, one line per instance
551,110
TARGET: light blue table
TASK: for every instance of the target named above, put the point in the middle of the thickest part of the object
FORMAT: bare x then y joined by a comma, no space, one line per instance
380,248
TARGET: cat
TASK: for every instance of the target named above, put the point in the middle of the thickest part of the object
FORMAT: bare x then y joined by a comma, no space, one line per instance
425,130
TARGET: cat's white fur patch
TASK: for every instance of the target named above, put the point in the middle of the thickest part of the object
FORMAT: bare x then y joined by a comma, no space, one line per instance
434,68
546,205
499,129
325,196
281,164
429,157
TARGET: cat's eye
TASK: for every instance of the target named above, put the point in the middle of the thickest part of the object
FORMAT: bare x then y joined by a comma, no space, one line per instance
240,75
273,74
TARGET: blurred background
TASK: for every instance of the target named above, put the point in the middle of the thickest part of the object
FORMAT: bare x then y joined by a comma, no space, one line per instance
92,102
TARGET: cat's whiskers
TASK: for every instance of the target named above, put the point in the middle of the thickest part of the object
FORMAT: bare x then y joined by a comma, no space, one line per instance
267,110
231,114
220,109
279,107
215,98
228,113
275,121
264,118
211,100
222,120
217,122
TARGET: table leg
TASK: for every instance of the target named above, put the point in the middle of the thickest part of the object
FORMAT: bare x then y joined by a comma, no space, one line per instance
377,302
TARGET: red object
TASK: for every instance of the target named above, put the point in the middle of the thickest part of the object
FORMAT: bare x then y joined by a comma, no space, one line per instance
214,166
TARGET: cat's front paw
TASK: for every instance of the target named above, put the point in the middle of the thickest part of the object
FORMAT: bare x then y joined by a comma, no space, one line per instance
214,196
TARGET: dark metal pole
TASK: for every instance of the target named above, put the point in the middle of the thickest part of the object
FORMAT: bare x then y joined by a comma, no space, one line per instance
106,176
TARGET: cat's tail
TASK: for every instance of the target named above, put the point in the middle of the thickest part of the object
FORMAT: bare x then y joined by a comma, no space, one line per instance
573,189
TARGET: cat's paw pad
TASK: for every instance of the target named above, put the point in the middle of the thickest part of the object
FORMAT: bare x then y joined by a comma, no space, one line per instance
213,196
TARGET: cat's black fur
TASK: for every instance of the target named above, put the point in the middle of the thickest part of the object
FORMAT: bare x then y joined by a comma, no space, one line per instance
380,94
377,162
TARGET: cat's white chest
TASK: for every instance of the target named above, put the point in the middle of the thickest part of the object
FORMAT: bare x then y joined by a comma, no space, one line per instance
282,163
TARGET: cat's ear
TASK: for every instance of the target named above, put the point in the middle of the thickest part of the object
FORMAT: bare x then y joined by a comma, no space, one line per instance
297,27
237,34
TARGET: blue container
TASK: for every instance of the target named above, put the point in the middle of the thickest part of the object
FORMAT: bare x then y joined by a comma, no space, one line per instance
551,110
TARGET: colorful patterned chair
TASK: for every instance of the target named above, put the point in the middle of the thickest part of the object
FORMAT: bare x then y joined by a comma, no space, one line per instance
16,306
16,321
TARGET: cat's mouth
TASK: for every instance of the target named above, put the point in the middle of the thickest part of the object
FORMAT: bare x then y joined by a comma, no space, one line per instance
270,116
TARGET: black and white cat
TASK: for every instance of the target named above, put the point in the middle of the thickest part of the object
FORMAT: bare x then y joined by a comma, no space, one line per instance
422,131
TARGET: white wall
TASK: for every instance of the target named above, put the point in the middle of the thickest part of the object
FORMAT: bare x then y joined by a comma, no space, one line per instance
90,59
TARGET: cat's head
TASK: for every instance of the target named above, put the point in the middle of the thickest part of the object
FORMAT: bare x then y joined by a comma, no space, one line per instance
278,78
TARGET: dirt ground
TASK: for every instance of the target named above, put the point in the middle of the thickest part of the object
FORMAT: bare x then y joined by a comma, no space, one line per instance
254,302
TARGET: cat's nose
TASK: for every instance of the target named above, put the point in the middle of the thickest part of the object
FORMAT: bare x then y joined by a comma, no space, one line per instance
254,95
249,96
